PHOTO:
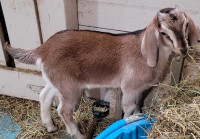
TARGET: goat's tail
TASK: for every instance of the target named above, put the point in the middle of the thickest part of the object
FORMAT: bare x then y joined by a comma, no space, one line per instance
21,55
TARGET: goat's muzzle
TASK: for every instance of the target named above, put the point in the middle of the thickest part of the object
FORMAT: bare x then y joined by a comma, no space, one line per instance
184,51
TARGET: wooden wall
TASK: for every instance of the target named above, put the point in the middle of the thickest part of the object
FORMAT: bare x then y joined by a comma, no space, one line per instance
29,23
128,15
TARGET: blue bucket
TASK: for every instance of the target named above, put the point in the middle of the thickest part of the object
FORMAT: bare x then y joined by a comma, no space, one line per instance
134,127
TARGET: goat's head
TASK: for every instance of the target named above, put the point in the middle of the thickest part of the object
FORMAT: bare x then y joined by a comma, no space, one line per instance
171,28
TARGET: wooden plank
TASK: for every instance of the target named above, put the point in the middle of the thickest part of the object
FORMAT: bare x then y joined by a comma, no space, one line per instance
141,3
100,29
20,83
56,16
183,4
71,13
38,20
128,15
21,22
176,71
115,103
113,16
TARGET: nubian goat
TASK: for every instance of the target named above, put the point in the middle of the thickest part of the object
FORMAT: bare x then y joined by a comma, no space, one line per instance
73,60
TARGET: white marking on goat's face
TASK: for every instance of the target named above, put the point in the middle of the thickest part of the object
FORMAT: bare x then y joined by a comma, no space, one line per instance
185,28
169,36
175,34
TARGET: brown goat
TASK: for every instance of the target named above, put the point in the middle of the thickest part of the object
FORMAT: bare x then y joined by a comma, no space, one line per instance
73,60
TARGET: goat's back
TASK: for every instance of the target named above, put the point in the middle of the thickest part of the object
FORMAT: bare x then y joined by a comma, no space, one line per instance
88,56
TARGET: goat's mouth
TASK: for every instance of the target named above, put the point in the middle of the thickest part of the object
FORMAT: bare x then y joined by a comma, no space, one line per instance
182,52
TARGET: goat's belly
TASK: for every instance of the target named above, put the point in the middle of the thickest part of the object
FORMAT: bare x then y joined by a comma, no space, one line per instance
92,86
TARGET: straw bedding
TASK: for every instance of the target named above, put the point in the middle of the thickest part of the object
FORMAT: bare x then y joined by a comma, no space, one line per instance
26,114
177,108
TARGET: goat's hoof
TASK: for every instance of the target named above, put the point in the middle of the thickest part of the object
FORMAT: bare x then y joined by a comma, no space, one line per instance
79,136
52,129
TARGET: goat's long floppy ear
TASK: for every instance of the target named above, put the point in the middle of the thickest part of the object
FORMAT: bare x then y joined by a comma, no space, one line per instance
149,46
192,33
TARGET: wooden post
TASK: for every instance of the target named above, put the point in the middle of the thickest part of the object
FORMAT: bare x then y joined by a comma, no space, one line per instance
56,15
177,67
115,103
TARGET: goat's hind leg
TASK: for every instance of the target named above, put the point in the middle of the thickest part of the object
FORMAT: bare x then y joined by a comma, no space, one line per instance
46,98
68,102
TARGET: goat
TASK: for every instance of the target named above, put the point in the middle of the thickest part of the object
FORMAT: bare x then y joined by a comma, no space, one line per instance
73,60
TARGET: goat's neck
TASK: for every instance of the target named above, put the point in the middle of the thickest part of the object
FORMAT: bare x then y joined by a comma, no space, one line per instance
164,54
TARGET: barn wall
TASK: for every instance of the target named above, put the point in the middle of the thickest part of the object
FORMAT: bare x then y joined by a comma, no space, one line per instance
128,15
22,25
29,24
53,18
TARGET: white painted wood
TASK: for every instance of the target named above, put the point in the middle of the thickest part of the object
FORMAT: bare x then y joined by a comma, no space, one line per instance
113,16
184,4
2,59
71,12
21,22
129,15
20,84
57,15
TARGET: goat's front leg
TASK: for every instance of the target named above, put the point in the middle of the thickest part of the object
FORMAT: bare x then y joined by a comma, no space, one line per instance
131,101
46,98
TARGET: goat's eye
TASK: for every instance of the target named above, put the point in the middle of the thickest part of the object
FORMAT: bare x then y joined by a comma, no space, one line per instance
163,33
187,25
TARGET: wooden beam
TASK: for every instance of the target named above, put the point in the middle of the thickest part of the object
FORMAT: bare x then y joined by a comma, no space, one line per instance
38,20
115,103
176,70
21,83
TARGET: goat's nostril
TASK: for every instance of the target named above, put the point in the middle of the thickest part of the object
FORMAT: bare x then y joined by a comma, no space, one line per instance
183,51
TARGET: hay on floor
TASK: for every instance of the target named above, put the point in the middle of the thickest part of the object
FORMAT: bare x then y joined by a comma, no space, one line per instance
26,114
177,108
